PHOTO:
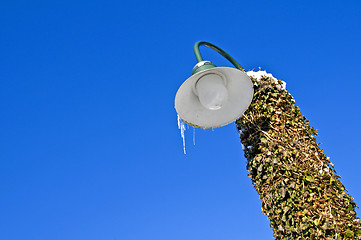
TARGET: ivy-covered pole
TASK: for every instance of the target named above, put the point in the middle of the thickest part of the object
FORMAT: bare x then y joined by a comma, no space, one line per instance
300,191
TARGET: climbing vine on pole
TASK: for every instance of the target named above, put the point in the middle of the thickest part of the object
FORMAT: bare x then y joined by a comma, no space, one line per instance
300,191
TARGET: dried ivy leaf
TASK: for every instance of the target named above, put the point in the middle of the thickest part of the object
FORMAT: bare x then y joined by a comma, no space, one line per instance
349,233
309,178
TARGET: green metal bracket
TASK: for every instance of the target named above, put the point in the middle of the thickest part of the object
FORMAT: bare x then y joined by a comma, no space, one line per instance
205,65
217,49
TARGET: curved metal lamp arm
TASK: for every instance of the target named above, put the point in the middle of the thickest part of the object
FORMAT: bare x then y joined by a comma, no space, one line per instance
217,49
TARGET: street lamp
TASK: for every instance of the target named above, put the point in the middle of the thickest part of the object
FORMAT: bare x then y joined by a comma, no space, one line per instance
213,96
285,163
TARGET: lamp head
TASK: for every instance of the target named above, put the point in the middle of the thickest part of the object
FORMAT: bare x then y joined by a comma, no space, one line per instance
213,96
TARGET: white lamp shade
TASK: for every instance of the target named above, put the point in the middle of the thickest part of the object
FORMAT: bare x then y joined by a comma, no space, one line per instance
214,97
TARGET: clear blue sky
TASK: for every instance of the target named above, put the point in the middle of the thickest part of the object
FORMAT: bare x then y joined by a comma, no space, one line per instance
89,142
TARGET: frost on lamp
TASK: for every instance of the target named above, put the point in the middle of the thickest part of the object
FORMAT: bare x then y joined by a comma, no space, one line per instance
211,91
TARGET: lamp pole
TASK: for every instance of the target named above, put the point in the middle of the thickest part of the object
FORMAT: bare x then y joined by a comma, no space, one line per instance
300,191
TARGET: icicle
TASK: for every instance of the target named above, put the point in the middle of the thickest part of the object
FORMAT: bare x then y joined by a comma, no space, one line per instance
194,136
182,127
